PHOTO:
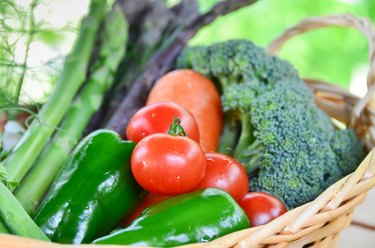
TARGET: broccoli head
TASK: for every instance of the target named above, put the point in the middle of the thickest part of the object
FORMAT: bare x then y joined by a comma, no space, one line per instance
288,146
236,61
296,160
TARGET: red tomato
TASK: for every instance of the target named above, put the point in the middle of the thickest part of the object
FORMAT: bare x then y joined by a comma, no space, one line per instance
157,118
168,165
225,173
148,201
261,207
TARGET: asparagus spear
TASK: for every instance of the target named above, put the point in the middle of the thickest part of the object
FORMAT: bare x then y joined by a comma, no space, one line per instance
52,158
15,217
162,61
36,137
151,25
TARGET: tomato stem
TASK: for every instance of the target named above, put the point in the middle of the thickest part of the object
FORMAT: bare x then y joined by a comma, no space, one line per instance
176,129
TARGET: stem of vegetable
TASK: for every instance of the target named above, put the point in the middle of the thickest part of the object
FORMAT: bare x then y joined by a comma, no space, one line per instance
29,40
52,158
228,137
27,50
248,148
246,137
251,157
15,217
74,72
176,129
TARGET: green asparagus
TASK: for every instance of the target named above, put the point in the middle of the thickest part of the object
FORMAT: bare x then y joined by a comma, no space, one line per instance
15,217
44,170
36,137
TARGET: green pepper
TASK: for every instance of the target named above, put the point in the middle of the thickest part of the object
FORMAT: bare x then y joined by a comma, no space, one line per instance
199,216
92,193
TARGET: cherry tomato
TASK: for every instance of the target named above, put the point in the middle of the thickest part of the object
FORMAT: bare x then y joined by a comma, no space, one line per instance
157,118
261,207
148,201
168,165
225,173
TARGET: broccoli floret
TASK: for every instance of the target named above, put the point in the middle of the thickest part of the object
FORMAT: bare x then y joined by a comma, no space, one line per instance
236,61
296,160
288,146
348,149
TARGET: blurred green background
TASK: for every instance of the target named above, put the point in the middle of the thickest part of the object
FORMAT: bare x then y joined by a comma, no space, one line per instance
337,55
334,54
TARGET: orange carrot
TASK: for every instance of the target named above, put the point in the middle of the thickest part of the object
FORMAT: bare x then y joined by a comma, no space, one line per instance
199,96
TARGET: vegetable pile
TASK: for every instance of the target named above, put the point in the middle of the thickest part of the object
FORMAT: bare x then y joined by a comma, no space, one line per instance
229,138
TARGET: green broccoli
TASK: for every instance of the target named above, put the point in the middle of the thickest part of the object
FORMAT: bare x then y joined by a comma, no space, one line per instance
237,61
288,146
296,161
348,149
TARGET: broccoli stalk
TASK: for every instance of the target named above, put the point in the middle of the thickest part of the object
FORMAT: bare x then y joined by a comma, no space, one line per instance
272,125
246,138
228,136
236,102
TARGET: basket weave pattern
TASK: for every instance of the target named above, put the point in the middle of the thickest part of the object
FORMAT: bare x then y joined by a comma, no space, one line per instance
319,222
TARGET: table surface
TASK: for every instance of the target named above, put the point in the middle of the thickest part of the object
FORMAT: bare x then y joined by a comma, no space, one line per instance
361,233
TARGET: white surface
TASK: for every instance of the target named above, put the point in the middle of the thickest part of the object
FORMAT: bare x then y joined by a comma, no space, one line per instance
365,213
359,237
356,237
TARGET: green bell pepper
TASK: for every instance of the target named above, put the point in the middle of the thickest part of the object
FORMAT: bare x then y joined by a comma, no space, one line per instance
93,191
199,216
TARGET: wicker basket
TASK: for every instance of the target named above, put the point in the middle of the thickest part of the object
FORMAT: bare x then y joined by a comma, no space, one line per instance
318,223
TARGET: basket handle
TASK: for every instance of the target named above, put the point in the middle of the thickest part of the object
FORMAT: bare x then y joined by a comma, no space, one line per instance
364,25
